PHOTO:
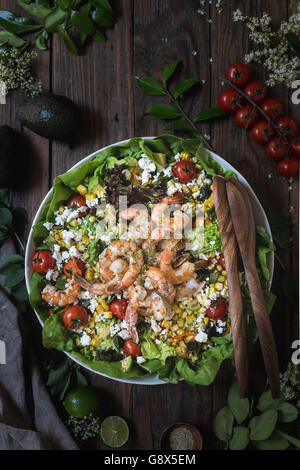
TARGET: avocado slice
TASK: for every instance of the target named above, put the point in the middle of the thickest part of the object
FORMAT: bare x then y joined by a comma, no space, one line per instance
126,363
161,159
54,117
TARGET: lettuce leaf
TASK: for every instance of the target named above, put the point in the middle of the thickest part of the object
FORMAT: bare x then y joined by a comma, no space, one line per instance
56,336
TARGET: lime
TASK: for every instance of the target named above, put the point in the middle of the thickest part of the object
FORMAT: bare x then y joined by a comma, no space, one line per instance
82,401
114,431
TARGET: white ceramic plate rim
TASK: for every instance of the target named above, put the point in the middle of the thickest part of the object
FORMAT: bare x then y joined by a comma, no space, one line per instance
260,218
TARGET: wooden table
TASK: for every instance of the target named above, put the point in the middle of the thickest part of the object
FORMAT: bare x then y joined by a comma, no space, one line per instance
149,34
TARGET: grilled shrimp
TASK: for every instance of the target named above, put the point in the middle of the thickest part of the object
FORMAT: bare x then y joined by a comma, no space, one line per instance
156,280
160,213
159,308
54,296
136,296
129,251
175,275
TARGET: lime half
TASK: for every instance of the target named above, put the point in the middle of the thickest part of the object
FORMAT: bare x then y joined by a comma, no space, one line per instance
114,431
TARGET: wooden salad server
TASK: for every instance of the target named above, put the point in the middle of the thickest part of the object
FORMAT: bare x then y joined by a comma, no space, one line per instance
244,226
230,250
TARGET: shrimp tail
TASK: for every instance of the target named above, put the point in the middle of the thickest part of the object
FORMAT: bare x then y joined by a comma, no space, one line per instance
81,281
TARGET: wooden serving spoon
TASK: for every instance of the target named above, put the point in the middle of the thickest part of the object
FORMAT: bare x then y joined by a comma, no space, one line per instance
230,249
244,226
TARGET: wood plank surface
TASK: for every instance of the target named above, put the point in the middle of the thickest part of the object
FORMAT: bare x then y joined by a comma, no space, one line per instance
148,35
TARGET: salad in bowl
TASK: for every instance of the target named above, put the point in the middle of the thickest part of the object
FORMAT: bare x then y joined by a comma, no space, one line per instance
128,275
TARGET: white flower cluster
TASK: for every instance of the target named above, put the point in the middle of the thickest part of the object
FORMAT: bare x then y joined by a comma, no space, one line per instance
290,383
273,49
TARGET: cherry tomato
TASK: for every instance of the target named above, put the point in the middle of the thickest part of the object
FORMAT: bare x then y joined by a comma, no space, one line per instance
131,349
78,201
239,74
273,108
246,116
229,101
288,167
221,262
185,171
42,261
287,126
69,266
118,308
217,309
277,148
295,146
261,132
75,316
257,91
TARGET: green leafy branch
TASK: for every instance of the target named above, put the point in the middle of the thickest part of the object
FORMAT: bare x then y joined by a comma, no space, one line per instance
262,424
73,20
151,86
12,222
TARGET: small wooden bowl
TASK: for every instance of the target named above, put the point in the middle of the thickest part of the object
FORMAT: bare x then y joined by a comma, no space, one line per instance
197,437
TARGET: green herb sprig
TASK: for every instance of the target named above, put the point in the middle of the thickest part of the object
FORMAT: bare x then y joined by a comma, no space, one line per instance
151,86
73,20
260,423
12,222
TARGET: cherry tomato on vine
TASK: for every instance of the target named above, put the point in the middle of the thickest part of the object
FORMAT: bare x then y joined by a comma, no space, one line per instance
131,349
257,91
69,266
185,171
288,167
295,146
273,108
118,308
78,201
246,116
42,261
261,132
221,262
239,74
277,148
229,101
217,309
287,126
75,316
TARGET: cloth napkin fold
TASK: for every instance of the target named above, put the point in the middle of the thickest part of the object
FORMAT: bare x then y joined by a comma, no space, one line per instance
28,419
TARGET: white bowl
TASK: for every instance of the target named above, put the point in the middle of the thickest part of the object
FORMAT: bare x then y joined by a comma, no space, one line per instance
260,219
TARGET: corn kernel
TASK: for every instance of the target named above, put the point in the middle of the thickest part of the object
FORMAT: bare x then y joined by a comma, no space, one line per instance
108,314
74,223
185,156
99,309
104,305
61,209
224,273
219,268
219,286
89,274
211,255
206,320
80,247
92,218
81,189
221,278
90,196
85,239
181,323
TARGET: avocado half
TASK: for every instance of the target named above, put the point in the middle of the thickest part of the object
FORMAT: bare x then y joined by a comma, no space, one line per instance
54,117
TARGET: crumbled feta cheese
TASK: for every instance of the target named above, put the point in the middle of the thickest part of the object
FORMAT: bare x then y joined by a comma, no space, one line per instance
52,275
124,334
93,304
67,236
140,359
48,225
207,303
92,202
114,329
201,337
155,326
85,339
